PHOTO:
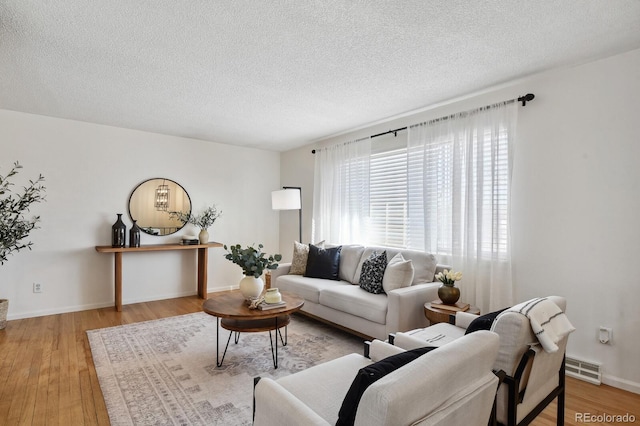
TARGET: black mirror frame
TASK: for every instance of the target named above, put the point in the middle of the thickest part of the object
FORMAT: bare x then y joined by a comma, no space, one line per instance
164,179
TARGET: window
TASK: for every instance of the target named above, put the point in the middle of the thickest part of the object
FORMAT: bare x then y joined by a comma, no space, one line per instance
387,222
465,193
461,174
441,186
419,198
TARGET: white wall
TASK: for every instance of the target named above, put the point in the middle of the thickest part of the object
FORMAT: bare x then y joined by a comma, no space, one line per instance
296,170
576,198
90,171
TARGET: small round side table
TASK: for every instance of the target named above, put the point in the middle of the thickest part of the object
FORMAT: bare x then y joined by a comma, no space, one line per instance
436,315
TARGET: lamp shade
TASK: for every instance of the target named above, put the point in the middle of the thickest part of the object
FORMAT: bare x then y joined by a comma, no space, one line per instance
286,199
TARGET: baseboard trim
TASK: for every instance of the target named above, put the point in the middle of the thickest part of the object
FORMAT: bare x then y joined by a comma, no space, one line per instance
56,311
620,383
158,297
89,306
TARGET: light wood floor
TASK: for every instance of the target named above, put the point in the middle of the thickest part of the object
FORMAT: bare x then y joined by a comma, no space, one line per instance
47,376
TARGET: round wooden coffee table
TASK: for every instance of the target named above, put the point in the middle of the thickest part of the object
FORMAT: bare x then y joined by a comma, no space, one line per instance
233,314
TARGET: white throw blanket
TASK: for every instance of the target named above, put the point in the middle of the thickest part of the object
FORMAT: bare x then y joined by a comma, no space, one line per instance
548,322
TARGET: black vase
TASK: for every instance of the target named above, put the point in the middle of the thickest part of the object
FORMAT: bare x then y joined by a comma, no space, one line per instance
134,235
118,233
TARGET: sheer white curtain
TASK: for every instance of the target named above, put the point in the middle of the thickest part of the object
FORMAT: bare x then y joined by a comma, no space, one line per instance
459,174
341,192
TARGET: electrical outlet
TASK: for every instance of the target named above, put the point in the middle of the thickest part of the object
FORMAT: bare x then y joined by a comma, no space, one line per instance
604,335
37,288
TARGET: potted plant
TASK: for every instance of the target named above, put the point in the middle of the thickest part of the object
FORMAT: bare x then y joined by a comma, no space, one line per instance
14,227
253,263
203,221
448,292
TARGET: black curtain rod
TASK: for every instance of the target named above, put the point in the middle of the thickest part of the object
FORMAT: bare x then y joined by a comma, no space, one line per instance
395,132
524,99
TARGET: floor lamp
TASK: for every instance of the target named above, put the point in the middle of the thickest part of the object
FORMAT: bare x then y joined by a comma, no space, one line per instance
289,198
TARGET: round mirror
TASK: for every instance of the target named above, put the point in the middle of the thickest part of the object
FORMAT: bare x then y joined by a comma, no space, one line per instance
152,201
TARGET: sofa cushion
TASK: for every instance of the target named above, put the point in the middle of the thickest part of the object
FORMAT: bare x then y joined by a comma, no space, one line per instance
323,263
372,272
439,334
370,374
399,273
307,288
323,386
350,257
355,301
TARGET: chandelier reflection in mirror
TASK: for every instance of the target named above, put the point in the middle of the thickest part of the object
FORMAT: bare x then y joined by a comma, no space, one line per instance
151,201
162,197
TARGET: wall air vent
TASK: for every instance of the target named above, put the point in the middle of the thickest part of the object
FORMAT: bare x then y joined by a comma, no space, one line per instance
584,370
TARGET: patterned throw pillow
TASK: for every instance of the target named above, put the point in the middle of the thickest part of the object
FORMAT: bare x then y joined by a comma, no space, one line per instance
300,256
373,272
299,261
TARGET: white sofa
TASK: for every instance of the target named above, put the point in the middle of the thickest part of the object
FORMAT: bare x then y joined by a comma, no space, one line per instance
451,385
344,303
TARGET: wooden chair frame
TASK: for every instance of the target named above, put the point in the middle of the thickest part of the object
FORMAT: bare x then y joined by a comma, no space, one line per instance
515,397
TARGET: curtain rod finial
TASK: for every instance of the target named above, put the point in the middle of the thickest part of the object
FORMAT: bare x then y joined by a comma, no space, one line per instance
526,98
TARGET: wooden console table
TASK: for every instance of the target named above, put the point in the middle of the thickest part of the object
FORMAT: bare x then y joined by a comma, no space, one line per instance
202,263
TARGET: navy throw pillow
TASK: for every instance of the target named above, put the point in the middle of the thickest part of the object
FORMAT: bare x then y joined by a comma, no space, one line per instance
483,322
369,375
323,263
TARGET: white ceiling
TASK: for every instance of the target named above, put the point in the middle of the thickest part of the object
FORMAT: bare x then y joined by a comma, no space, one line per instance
282,73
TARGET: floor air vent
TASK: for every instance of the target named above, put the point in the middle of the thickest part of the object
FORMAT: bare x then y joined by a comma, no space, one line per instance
583,370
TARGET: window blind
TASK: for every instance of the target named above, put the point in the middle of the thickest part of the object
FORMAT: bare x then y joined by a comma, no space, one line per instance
403,200
388,194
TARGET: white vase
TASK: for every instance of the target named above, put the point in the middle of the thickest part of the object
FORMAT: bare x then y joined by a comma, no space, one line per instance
251,287
203,236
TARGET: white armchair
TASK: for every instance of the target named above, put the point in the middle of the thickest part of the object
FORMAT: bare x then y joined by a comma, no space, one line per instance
534,376
449,385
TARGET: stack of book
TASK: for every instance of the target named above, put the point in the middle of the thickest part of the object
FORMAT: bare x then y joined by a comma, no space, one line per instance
190,241
266,306
458,307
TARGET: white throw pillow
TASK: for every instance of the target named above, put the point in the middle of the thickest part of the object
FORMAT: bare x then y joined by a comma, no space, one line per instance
399,273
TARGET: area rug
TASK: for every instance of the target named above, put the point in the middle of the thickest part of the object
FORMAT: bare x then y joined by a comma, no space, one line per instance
163,372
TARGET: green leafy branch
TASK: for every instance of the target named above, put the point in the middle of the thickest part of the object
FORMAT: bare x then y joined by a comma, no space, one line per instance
252,261
204,220
14,227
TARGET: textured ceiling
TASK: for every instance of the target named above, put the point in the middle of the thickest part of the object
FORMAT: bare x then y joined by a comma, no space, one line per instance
282,73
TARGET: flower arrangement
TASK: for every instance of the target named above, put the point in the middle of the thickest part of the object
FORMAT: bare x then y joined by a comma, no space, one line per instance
204,220
14,227
252,261
449,278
